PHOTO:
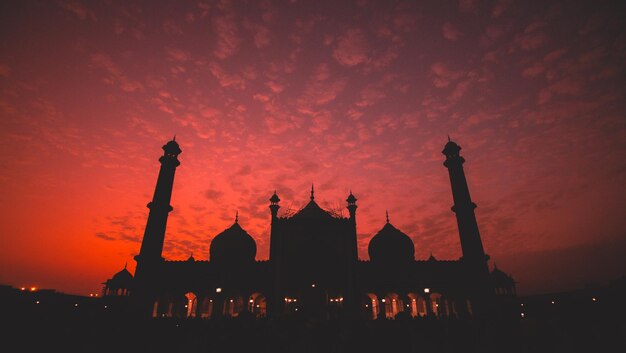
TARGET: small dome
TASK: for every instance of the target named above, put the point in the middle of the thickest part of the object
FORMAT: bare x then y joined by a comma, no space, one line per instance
391,245
351,198
123,275
233,245
500,278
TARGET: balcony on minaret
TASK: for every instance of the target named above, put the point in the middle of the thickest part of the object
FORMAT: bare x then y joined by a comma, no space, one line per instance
351,200
172,149
274,200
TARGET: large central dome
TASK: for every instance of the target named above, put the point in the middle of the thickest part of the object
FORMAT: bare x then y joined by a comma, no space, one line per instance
390,245
233,245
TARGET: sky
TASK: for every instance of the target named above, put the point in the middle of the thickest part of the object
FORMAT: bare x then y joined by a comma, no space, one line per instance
347,95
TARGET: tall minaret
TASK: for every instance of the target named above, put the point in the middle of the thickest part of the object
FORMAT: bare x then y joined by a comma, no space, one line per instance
471,244
477,281
154,235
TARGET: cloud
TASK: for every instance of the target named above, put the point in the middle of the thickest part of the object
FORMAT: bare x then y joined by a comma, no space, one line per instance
78,9
104,236
227,41
351,48
116,77
443,75
450,32
4,70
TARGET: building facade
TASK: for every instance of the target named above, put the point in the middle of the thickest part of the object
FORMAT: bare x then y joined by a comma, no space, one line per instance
327,279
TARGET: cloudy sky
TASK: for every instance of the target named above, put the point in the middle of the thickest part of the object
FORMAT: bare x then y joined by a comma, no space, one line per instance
277,95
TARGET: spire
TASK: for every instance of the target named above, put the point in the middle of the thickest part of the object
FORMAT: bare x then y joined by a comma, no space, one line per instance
237,216
387,215
312,193
126,264
448,137
174,139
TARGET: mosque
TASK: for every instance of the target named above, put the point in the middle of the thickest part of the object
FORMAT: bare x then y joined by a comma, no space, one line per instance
313,269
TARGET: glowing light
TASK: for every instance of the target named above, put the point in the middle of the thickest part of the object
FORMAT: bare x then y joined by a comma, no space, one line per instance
313,285
296,309
106,306
32,289
76,304
426,290
37,302
218,290
23,288
251,301
553,302
186,306
367,306
231,300
593,299
258,306
383,300
522,314
210,300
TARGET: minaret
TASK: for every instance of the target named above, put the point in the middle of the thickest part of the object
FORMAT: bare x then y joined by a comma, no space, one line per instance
154,235
471,244
352,241
275,303
474,261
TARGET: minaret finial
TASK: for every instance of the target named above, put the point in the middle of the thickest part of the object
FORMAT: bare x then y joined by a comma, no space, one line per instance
312,193
174,139
387,215
126,264
448,137
237,216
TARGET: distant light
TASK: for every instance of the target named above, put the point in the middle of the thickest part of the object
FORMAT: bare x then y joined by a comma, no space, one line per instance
383,300
426,290
257,305
594,299
95,295
296,309
341,299
231,300
553,302
210,300
367,306
522,304
32,289
407,305
251,300
522,314
186,305
313,285
295,300
76,304
106,306
23,288
218,290
437,305
37,302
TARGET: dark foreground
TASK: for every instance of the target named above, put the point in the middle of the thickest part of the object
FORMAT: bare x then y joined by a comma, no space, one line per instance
59,323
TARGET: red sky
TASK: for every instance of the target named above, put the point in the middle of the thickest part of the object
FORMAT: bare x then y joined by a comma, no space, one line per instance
276,95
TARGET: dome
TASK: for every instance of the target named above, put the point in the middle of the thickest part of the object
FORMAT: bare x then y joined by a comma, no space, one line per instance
233,245
123,275
500,278
391,245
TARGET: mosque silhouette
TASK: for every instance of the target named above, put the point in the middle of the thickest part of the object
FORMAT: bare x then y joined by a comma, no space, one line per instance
313,269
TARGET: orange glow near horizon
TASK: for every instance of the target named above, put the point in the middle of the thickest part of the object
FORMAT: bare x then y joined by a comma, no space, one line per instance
278,95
